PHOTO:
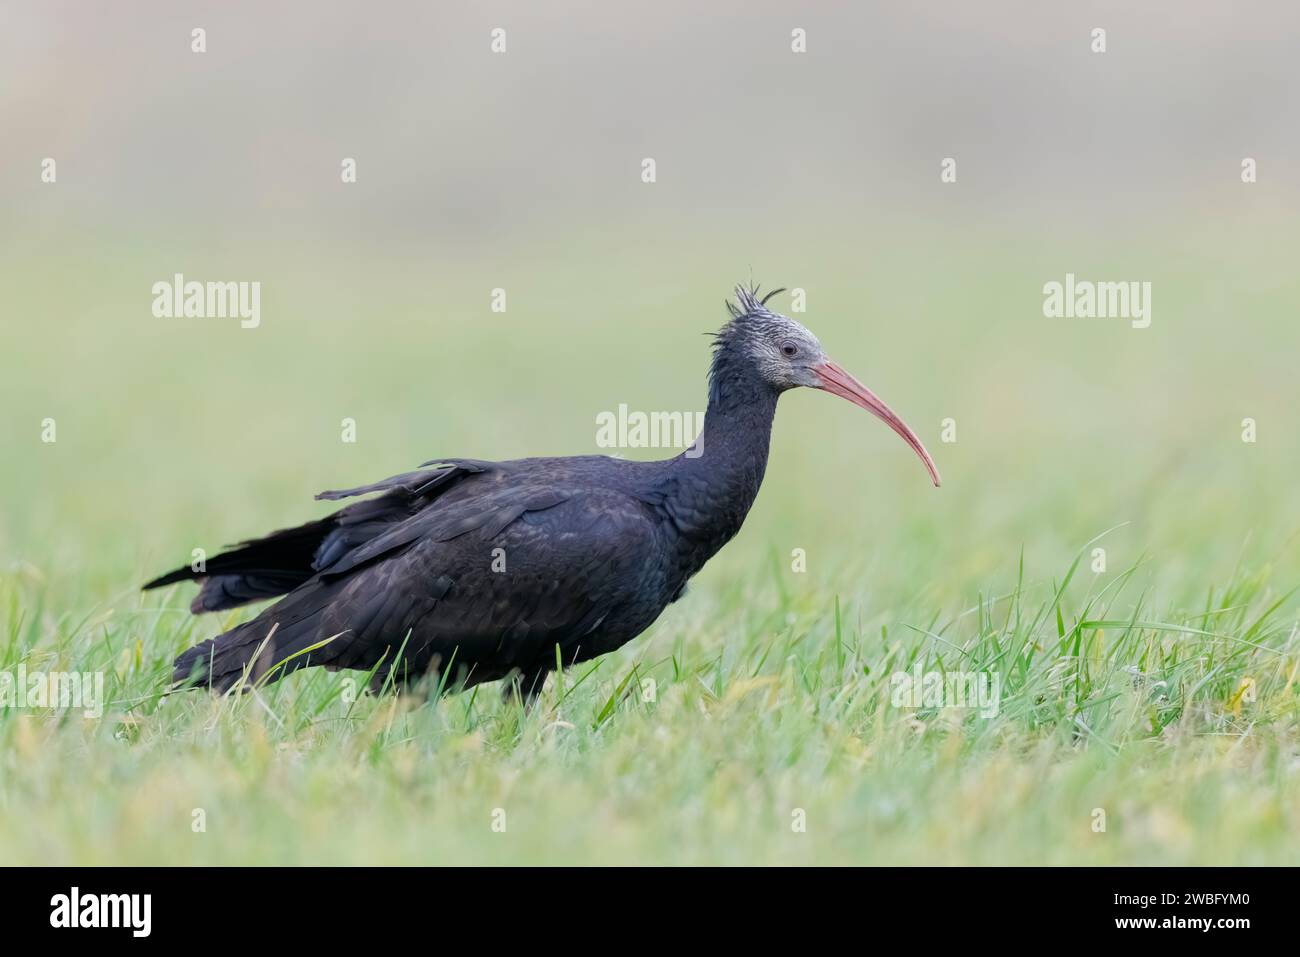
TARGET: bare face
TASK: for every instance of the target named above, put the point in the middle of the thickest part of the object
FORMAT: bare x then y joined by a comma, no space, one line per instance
786,352
788,356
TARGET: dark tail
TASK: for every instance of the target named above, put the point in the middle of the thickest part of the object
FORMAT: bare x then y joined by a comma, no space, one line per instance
295,562
278,641
254,570
282,561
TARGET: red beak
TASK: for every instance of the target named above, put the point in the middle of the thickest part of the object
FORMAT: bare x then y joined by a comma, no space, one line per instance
838,382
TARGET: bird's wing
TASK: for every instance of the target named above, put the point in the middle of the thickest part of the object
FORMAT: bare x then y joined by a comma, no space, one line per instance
277,563
500,583
487,583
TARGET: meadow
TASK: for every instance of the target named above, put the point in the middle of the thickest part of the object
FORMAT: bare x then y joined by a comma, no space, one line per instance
1148,701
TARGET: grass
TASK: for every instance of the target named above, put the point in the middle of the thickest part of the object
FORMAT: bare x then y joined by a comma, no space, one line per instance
1178,724
1159,690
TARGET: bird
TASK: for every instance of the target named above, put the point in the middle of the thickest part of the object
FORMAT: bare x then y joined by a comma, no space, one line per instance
476,571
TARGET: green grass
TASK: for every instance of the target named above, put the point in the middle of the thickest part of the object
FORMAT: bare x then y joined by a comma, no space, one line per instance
1162,690
1107,703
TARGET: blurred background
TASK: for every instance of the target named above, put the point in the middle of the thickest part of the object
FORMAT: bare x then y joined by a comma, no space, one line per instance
522,171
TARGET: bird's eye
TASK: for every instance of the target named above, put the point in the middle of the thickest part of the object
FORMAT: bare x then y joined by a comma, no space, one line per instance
789,349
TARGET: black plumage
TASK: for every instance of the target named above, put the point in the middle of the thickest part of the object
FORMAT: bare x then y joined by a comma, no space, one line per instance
484,570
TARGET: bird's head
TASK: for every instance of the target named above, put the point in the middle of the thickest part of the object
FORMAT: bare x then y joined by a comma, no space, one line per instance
784,354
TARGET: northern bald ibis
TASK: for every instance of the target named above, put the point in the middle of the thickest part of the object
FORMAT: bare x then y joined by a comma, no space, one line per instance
482,570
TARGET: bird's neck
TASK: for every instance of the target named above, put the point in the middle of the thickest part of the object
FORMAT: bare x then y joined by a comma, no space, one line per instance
713,484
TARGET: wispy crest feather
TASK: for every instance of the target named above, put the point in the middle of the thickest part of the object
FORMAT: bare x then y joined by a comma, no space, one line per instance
749,301
750,304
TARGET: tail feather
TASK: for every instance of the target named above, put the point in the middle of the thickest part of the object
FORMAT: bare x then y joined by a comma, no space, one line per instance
253,649
291,562
254,570
219,592
282,561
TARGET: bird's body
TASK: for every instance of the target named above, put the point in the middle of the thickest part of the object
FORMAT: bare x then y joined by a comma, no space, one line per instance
481,570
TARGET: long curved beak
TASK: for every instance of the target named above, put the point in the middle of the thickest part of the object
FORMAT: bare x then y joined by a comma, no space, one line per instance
837,381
